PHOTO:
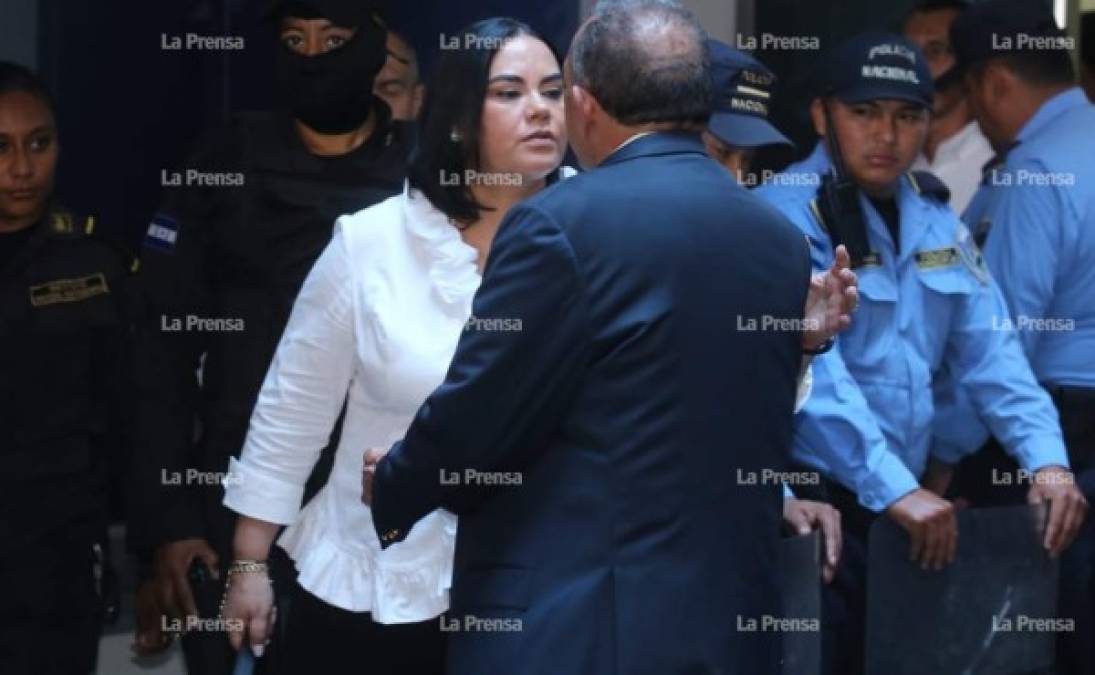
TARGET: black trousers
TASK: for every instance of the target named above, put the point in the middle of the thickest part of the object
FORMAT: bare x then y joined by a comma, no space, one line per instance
50,608
320,638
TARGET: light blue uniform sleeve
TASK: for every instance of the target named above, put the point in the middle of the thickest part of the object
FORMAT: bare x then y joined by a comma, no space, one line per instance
1023,247
988,363
837,432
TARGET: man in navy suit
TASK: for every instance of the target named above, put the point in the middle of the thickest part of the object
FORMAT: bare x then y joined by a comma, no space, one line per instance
601,457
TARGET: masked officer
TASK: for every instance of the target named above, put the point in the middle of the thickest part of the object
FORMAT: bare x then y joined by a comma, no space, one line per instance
1036,210
222,263
62,354
928,300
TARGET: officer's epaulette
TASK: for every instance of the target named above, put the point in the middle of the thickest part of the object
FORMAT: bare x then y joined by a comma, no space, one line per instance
64,224
60,222
928,184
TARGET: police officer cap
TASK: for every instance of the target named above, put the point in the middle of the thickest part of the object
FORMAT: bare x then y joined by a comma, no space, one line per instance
874,66
998,27
743,97
346,13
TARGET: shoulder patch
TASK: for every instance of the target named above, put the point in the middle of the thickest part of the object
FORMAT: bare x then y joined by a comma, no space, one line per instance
929,185
163,233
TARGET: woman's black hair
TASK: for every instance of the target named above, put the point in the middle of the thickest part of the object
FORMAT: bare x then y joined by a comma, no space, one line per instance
454,102
16,78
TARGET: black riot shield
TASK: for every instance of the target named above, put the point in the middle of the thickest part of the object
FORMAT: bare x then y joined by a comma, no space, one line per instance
799,561
992,612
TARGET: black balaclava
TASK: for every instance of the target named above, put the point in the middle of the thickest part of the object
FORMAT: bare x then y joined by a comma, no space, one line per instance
332,93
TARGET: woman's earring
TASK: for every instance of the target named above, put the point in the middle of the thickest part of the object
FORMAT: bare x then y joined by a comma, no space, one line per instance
455,136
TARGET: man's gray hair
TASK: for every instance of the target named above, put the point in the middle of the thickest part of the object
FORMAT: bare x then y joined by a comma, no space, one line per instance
645,61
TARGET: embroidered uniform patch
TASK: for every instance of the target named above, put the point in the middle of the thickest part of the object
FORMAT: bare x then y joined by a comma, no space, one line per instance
872,259
930,260
68,290
163,233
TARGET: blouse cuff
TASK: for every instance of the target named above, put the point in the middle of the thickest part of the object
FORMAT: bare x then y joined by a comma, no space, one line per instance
250,491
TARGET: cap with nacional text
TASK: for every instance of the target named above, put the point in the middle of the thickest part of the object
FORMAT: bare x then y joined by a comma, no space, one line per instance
874,66
743,96
999,27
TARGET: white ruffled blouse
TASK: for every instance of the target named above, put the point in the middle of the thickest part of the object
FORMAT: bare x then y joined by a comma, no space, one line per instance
376,324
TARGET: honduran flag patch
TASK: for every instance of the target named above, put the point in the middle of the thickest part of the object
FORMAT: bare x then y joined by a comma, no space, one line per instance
162,233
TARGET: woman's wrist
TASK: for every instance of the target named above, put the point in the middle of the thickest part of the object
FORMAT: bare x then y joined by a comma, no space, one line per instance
253,539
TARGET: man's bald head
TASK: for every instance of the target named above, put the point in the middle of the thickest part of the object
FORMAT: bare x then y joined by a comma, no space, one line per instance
644,61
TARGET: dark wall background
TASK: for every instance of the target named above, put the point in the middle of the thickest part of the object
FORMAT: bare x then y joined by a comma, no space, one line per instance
129,109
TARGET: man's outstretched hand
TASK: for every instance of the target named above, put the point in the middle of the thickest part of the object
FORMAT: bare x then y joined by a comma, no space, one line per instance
832,298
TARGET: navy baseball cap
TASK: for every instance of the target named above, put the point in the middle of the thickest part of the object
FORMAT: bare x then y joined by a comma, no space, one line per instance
874,66
743,95
1000,27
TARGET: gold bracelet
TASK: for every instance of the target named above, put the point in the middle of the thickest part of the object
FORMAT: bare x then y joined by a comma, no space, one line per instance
248,566
242,567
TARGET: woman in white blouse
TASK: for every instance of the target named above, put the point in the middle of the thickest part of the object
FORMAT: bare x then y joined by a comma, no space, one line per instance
376,325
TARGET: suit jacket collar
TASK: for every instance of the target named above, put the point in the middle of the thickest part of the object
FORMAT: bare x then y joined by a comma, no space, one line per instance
659,143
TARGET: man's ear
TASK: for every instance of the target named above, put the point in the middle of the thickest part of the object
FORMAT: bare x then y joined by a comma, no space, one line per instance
584,101
817,116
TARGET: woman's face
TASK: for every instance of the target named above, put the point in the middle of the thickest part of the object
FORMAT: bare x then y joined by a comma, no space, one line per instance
312,37
523,131
28,157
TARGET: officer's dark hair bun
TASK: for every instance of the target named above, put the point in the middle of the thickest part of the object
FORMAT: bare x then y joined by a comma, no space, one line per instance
16,78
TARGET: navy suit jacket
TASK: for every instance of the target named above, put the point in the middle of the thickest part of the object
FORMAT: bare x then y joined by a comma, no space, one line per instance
599,452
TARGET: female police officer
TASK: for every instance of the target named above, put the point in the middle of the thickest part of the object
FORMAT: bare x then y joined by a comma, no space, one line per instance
61,343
